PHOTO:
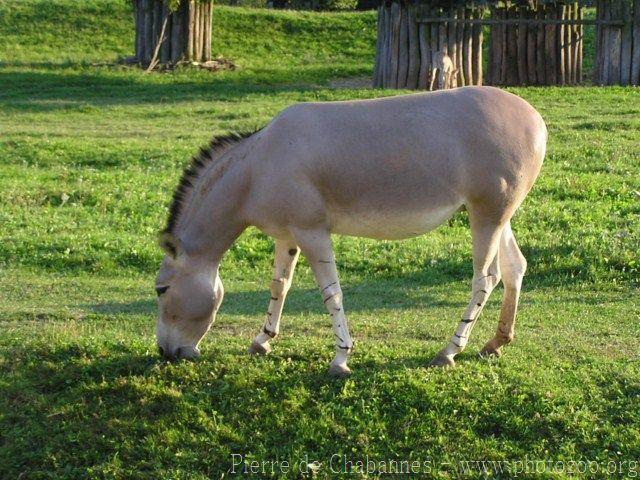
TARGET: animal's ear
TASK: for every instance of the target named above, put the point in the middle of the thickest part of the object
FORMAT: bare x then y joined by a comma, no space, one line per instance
169,244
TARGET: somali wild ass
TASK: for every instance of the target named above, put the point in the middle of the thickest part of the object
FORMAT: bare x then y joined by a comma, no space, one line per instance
446,75
388,168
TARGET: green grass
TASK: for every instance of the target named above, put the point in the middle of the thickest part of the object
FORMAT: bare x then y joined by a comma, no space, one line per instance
89,156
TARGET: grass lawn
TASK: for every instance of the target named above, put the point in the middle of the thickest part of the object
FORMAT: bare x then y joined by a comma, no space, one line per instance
89,156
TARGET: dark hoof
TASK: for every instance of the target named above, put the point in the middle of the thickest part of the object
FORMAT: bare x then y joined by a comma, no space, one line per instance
442,362
339,371
487,352
259,349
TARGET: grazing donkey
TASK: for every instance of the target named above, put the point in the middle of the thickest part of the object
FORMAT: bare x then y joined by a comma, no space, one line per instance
446,73
388,168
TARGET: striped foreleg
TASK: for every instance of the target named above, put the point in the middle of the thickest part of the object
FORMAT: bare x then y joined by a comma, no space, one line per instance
286,257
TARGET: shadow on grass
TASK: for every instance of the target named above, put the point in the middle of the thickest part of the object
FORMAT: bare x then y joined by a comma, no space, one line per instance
384,291
70,408
102,86
384,294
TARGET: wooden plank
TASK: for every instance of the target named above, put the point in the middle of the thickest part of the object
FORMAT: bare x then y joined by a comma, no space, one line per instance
550,49
380,32
522,35
635,60
560,45
403,48
388,53
532,33
467,49
513,21
476,50
138,23
452,49
424,33
414,49
148,31
176,34
626,48
573,39
505,49
396,18
435,47
191,27
580,46
615,44
384,55
569,39
512,49
541,68
597,71
459,50
442,38
606,50
207,30
495,49
165,49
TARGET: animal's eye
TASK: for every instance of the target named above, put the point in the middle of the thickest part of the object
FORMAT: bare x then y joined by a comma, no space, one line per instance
161,290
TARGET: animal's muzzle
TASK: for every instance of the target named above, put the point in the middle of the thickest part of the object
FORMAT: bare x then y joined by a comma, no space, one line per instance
181,353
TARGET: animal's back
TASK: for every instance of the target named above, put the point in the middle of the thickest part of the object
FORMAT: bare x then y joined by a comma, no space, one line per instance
411,159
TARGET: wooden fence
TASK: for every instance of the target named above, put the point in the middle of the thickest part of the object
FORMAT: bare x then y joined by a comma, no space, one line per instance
542,46
172,36
527,46
406,45
618,43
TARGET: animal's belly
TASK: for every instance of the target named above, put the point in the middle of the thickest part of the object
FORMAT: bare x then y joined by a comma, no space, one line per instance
391,225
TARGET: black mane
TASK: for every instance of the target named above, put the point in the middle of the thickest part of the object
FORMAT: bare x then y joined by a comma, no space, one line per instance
204,158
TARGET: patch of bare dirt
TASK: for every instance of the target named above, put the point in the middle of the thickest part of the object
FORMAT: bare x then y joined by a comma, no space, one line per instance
353,82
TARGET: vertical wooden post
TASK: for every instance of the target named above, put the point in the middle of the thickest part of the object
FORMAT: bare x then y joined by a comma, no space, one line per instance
511,59
395,45
573,43
403,48
560,45
541,68
495,48
550,48
615,43
523,33
635,61
379,39
477,40
424,33
414,49
580,46
191,42
532,33
626,43
165,49
386,47
452,47
459,48
467,49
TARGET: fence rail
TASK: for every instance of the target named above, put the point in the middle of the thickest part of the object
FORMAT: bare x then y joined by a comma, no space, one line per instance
516,21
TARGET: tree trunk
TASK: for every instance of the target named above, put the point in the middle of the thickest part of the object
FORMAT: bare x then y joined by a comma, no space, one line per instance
184,39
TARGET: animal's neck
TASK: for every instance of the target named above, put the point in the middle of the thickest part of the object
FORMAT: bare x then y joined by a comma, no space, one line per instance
214,217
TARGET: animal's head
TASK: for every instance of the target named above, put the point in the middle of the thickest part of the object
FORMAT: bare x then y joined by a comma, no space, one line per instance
189,294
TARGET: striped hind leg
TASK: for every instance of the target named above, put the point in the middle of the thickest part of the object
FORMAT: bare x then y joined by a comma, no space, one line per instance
486,275
286,257
513,266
